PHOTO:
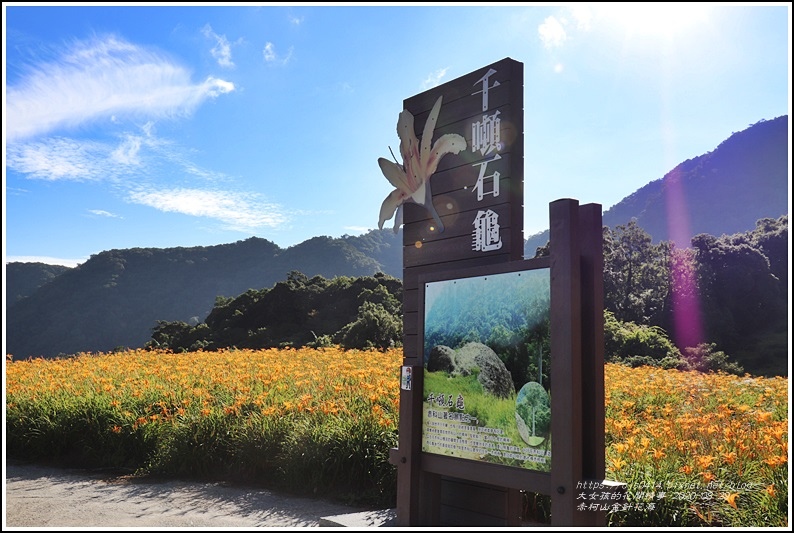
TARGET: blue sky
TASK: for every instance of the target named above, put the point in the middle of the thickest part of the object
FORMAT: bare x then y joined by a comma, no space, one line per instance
195,125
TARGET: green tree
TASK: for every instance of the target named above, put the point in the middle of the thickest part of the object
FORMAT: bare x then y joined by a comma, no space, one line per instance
740,294
636,275
771,237
636,344
374,327
706,358
298,311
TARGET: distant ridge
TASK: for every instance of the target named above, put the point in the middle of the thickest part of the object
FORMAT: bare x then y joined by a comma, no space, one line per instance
724,191
117,296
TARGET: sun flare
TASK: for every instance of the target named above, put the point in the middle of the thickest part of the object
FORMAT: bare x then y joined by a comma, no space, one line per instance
653,19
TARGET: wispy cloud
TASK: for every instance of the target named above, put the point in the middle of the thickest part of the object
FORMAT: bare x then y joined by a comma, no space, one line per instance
103,79
433,79
103,213
239,211
272,58
115,80
551,33
58,158
131,167
127,152
222,51
63,158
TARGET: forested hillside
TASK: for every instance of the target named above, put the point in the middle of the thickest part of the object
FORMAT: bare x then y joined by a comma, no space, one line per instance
117,296
23,279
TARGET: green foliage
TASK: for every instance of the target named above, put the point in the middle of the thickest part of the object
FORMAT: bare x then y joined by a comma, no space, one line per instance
384,246
199,450
638,344
358,312
771,237
705,358
347,460
742,294
374,327
636,275
75,433
179,336
727,283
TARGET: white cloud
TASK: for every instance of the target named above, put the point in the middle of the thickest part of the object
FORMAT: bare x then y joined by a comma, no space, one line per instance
127,152
271,57
434,79
103,213
103,79
551,33
44,259
129,167
269,52
222,51
239,211
16,191
582,15
214,87
134,159
60,159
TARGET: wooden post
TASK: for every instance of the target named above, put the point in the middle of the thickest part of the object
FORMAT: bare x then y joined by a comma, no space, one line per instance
566,370
593,410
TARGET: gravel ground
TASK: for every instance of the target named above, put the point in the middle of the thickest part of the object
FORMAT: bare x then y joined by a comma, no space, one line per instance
37,497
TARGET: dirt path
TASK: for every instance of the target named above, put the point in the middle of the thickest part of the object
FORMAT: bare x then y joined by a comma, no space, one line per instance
38,497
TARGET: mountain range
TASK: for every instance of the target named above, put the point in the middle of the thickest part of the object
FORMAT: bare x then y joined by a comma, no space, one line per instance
724,191
116,297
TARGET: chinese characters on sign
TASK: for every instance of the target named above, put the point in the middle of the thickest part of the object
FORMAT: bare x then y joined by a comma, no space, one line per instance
486,231
486,138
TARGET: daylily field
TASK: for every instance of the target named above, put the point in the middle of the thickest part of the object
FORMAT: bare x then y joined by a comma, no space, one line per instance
693,448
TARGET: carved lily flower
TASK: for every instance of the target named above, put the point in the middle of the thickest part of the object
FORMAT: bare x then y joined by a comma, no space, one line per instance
420,161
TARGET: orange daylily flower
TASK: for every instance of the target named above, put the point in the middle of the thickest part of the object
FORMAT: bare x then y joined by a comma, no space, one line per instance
731,499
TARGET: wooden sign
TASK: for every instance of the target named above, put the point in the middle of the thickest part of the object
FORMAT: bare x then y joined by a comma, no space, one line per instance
477,193
459,194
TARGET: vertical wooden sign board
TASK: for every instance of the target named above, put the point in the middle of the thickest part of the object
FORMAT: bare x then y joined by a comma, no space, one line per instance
478,197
